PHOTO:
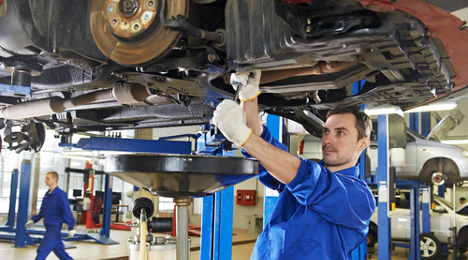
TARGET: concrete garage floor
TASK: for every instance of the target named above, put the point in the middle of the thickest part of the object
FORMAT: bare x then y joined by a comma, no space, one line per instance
243,244
90,250
403,253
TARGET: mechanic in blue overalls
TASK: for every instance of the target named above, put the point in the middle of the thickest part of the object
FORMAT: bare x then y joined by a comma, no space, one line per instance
55,210
323,209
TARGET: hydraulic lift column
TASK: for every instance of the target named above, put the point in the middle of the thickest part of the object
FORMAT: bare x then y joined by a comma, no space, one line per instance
275,125
382,172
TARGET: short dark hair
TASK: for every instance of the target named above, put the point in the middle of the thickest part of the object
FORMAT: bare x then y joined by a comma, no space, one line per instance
462,198
54,174
363,121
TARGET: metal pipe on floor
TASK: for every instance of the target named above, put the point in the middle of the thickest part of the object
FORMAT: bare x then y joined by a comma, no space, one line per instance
454,253
182,203
143,228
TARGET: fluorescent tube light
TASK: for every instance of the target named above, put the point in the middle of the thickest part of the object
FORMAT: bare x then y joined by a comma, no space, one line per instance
441,106
381,110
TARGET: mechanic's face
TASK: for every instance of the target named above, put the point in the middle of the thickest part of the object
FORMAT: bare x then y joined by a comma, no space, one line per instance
340,145
50,180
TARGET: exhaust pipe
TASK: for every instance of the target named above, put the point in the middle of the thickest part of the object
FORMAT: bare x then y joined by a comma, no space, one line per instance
320,68
125,94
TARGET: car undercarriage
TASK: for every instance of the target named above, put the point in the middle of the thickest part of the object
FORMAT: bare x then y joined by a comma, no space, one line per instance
100,65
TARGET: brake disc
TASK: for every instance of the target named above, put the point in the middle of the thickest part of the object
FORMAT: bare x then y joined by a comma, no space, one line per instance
130,32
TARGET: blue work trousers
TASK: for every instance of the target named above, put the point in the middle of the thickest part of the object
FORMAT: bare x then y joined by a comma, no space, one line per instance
52,242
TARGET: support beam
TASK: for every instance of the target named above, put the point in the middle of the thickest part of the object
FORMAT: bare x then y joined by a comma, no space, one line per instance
425,123
384,234
415,244
275,125
21,219
224,203
426,205
206,243
414,122
217,218
106,216
360,252
13,190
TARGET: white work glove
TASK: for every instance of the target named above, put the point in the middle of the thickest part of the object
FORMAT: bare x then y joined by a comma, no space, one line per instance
249,80
71,233
29,224
229,118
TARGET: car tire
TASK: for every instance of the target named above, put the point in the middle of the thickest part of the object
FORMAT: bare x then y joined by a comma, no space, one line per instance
462,240
430,246
371,239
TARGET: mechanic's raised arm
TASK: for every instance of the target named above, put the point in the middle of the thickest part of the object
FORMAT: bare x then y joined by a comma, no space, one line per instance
280,164
243,127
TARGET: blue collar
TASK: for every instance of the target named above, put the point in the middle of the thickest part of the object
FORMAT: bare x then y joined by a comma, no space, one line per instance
54,191
353,171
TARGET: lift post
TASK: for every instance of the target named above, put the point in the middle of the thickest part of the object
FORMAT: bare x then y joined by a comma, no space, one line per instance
360,252
384,234
415,245
21,237
106,216
425,208
13,190
414,187
217,218
275,125
22,217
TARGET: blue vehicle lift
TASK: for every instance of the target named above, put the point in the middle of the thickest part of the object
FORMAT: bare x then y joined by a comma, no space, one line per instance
217,219
22,236
360,253
383,184
275,125
122,145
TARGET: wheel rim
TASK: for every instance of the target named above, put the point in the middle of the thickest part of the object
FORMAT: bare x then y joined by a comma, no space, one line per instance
130,32
428,247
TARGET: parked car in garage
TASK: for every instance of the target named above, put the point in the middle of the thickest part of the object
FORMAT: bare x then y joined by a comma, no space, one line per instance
422,157
129,64
441,222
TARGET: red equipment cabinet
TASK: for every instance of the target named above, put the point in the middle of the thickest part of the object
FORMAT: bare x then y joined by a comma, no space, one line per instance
246,197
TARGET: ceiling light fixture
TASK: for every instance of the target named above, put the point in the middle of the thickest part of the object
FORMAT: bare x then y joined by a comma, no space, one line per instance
387,109
382,110
441,106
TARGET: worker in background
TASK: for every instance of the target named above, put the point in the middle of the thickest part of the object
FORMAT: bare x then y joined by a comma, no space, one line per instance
463,210
323,209
55,210
462,200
